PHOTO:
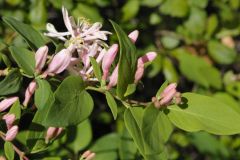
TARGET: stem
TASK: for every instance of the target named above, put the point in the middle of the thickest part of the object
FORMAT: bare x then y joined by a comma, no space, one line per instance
130,102
20,153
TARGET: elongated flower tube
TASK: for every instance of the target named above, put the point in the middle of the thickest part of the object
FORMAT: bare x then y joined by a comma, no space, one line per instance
11,133
108,60
134,35
29,92
148,57
6,103
167,98
59,62
40,58
113,78
9,119
52,132
170,87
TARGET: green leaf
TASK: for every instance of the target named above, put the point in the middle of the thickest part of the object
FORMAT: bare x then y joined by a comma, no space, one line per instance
8,150
43,96
106,147
72,105
234,89
38,13
156,129
220,53
24,58
127,61
79,136
16,109
175,8
169,71
130,89
212,24
151,3
32,37
112,104
170,42
200,71
200,112
133,122
11,83
130,9
198,3
96,69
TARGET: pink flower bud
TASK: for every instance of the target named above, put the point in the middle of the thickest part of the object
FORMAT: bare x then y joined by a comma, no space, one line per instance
148,57
11,133
171,86
9,119
134,35
88,155
59,62
52,132
139,73
41,57
6,103
29,92
108,60
167,98
113,78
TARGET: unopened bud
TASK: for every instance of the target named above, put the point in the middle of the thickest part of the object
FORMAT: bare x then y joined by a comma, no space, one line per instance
9,119
6,103
41,57
29,92
108,60
11,133
139,73
148,57
113,78
88,155
167,98
59,62
133,35
168,88
52,132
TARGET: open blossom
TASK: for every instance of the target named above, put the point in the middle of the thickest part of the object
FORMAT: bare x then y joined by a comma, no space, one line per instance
11,133
6,103
80,34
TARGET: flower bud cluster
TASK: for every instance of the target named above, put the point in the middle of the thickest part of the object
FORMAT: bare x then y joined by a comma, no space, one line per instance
168,96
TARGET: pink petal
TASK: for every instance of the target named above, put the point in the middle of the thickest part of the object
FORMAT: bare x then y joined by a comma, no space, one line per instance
113,78
148,57
134,35
6,103
11,133
41,57
108,60
29,92
9,119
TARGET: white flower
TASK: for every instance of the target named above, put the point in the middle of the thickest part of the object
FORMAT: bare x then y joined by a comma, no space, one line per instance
82,35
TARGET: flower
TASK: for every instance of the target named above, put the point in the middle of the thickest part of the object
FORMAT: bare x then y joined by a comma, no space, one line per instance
40,58
88,155
11,133
52,132
29,92
81,34
9,119
108,60
6,103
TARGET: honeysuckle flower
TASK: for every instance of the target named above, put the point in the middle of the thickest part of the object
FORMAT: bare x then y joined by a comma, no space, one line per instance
168,96
108,60
6,103
40,58
9,119
134,35
88,155
80,34
11,133
52,132
113,78
29,92
148,57
59,62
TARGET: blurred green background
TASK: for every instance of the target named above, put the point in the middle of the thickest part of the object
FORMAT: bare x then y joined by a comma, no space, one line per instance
198,47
